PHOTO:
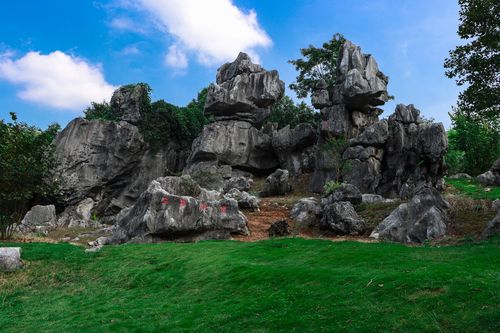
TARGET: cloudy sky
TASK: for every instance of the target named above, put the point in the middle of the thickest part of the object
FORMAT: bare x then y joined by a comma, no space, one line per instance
56,56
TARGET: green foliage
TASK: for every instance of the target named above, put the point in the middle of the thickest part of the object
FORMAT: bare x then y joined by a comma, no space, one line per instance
476,63
101,111
478,139
330,187
285,112
334,148
474,190
232,286
164,121
26,158
318,63
454,156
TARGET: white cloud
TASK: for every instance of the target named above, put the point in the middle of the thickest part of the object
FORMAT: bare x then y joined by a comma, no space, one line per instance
57,80
215,31
127,24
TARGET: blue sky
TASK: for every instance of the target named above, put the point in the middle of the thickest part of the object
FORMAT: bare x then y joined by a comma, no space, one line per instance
57,55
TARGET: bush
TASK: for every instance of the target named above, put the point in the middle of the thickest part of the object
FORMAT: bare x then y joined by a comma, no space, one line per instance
285,112
334,148
478,140
101,111
330,187
454,157
26,159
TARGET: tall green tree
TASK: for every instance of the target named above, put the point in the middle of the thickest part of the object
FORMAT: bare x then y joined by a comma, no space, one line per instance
285,112
317,63
26,160
476,64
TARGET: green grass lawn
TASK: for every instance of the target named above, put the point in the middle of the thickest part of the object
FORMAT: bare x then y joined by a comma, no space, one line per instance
277,285
475,190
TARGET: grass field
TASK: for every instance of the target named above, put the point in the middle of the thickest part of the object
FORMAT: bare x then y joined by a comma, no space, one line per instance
276,285
473,189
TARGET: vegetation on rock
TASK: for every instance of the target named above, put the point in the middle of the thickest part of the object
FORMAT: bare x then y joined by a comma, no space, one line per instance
285,112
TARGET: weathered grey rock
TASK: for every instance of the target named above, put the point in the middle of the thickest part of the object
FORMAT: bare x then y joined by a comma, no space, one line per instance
374,198
128,100
496,205
492,228
241,183
460,176
492,176
341,219
10,259
277,183
181,186
79,215
39,219
320,97
110,163
234,143
372,136
345,192
157,215
364,86
244,199
306,212
424,217
295,148
243,92
279,229
209,174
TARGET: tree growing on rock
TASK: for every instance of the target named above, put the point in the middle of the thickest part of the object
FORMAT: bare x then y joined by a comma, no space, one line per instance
286,112
26,159
317,63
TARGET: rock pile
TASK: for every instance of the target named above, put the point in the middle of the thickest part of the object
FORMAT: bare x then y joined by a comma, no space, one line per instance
388,157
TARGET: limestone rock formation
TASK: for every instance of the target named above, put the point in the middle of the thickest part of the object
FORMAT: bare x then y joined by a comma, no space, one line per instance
39,219
127,102
295,148
307,212
244,199
388,157
341,219
277,183
240,183
10,259
161,215
110,163
243,91
492,176
345,192
492,228
234,143
423,217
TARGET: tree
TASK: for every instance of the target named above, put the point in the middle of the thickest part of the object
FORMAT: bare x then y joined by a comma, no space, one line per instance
318,63
286,112
26,160
476,64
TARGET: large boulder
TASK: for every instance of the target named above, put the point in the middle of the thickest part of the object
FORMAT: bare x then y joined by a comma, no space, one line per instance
110,163
244,199
10,259
492,228
241,183
279,229
424,217
345,192
277,183
79,215
234,143
160,215
39,219
295,148
492,176
307,212
341,219
243,91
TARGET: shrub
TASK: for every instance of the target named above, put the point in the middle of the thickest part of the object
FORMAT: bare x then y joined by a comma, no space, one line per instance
334,148
101,111
330,187
285,112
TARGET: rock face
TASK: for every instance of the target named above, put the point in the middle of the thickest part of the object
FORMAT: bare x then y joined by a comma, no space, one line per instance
345,192
423,217
493,227
110,163
39,219
127,102
243,91
295,148
278,183
279,229
387,157
161,215
307,212
234,143
244,199
492,176
10,259
342,219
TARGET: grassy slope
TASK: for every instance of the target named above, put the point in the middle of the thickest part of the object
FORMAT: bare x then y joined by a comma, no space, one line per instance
475,190
277,285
